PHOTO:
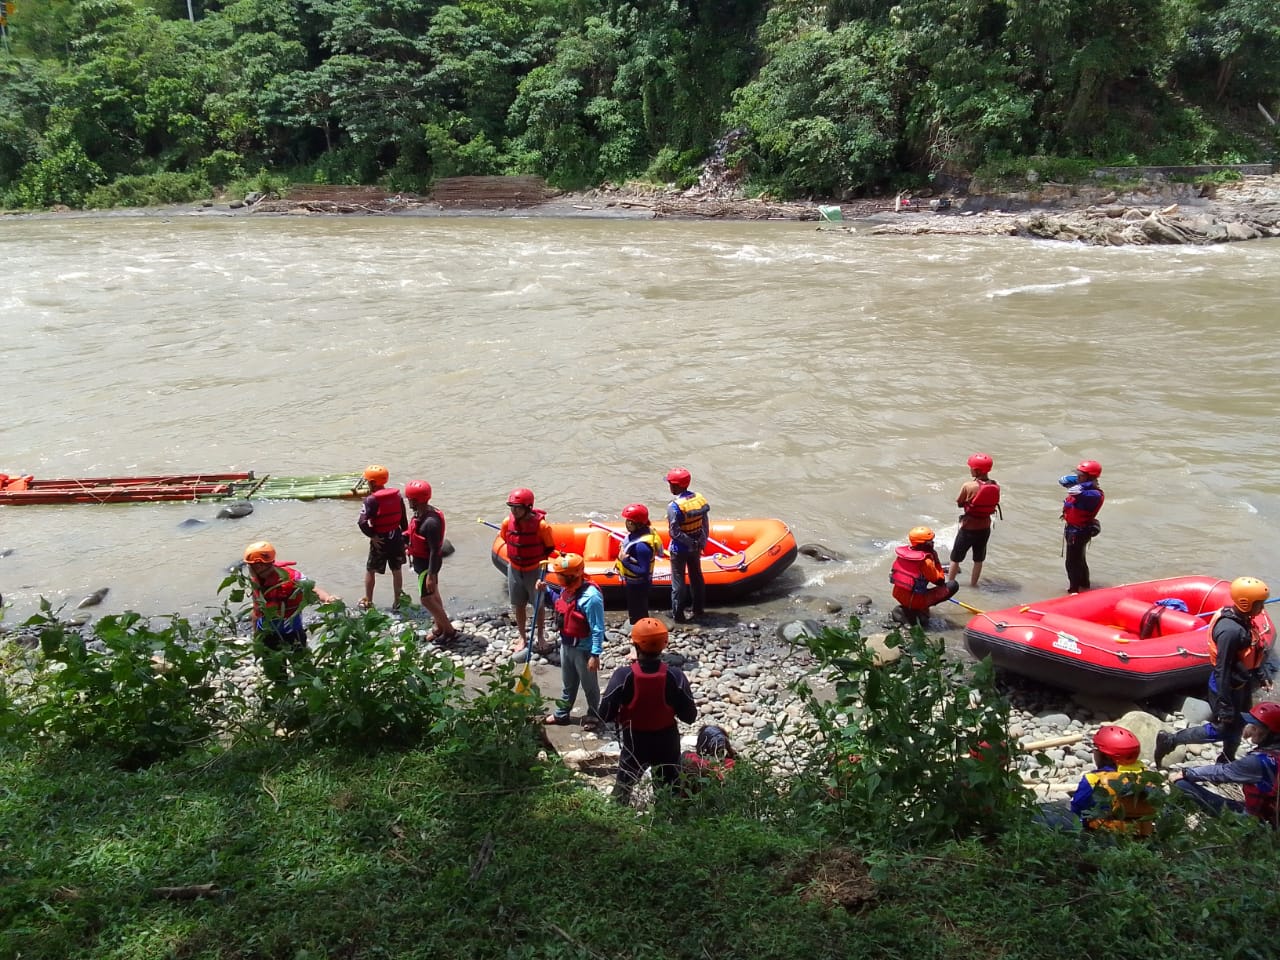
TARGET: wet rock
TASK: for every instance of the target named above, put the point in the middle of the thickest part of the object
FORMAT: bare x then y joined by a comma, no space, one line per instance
821,553
77,619
190,523
861,604
446,548
881,652
93,599
1194,710
6,551
793,630
233,511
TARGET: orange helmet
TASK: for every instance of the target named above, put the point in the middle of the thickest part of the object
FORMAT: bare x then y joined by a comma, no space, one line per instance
1247,592
376,473
649,635
919,535
565,569
260,552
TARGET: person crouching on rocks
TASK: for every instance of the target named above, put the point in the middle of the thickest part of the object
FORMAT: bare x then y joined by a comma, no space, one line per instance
710,759
279,592
918,579
1257,772
646,698
1112,797
579,607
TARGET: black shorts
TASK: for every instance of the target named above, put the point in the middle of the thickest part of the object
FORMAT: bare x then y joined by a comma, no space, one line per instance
385,551
977,539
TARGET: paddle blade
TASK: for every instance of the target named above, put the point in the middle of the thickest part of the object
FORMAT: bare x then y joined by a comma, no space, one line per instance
524,680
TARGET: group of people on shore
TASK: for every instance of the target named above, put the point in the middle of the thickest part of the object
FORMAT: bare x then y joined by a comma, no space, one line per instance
917,575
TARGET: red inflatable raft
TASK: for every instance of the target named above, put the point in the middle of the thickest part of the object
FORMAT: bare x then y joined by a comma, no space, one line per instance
1117,641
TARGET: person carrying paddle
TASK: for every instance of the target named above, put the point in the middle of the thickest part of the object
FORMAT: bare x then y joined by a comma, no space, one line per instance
382,519
1241,664
279,592
1079,514
689,524
426,552
918,579
636,554
1257,773
979,498
645,698
579,607
529,541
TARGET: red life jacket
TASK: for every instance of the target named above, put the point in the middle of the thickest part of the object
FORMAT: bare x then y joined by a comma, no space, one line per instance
985,501
281,600
1260,798
417,546
525,547
908,570
1250,656
575,625
1074,515
648,710
388,510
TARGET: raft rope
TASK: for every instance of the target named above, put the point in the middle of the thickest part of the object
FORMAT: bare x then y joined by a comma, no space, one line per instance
1122,655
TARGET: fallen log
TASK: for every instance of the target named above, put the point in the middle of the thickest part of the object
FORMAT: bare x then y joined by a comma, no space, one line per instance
1053,742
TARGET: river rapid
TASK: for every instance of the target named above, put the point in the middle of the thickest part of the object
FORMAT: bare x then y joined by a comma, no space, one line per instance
835,380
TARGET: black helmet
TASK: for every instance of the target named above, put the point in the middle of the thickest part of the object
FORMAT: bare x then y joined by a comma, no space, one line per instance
712,741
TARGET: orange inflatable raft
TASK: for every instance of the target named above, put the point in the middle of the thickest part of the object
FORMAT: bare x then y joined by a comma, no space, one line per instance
742,555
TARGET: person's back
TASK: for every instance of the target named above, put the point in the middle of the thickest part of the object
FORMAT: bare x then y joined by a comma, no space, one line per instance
1114,796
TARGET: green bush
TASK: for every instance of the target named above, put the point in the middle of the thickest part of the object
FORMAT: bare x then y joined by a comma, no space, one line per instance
149,190
138,694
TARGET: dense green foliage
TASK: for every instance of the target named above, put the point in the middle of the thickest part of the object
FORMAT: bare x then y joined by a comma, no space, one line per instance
267,843
827,99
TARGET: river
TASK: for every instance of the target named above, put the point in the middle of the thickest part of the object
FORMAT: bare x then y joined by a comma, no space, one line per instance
835,380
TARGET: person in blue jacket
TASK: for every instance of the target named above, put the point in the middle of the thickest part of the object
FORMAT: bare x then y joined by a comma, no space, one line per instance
689,524
636,555
579,609
1079,515
1256,773
1112,797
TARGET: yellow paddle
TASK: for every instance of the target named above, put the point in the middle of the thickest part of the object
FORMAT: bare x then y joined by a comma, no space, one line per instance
965,605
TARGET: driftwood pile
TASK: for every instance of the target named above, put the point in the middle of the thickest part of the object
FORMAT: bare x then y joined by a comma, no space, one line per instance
331,198
488,193
1120,226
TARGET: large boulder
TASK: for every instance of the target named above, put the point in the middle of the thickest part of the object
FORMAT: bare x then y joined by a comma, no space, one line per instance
1145,727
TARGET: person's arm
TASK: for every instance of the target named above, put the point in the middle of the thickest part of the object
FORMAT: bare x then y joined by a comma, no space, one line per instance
592,605
1228,635
1082,799
1247,769
932,571
548,539
433,533
678,536
366,515
967,493
680,696
616,694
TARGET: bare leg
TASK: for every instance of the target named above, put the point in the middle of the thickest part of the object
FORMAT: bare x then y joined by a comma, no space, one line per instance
522,624
434,605
368,587
955,570
973,579
397,585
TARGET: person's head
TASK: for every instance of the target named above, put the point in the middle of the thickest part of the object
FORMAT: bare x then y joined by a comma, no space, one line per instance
418,493
377,475
1262,723
566,570
713,743
649,635
1113,746
1249,595
520,502
678,479
980,464
260,557
1088,469
636,516
921,538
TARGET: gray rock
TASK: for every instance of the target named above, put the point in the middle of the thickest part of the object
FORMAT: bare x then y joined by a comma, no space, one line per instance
1194,710
1053,722
6,551
881,652
446,548
1103,707
190,522
93,599
1144,726
793,630
861,604
234,511
821,553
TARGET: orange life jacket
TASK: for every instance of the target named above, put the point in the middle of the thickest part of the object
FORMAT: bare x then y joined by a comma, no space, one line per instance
1251,656
908,570
282,599
1131,811
984,501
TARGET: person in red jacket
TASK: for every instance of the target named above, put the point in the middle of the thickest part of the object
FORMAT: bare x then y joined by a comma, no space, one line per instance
918,579
382,519
645,698
529,541
279,592
426,552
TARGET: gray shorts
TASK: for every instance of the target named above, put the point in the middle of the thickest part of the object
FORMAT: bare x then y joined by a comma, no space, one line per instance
522,585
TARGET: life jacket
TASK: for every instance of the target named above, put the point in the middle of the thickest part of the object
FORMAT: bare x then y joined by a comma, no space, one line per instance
702,766
648,710
628,565
1250,656
1260,798
388,510
693,513
1130,810
417,546
573,622
1083,502
908,570
524,543
985,500
283,599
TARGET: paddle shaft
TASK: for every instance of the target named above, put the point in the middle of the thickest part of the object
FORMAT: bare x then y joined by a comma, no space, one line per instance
965,605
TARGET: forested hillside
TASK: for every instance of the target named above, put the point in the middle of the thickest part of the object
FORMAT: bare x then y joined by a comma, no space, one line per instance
131,101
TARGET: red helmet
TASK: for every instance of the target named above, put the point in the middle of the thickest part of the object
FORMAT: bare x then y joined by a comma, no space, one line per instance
1090,467
981,462
418,490
637,512
1117,743
1265,714
679,476
520,497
